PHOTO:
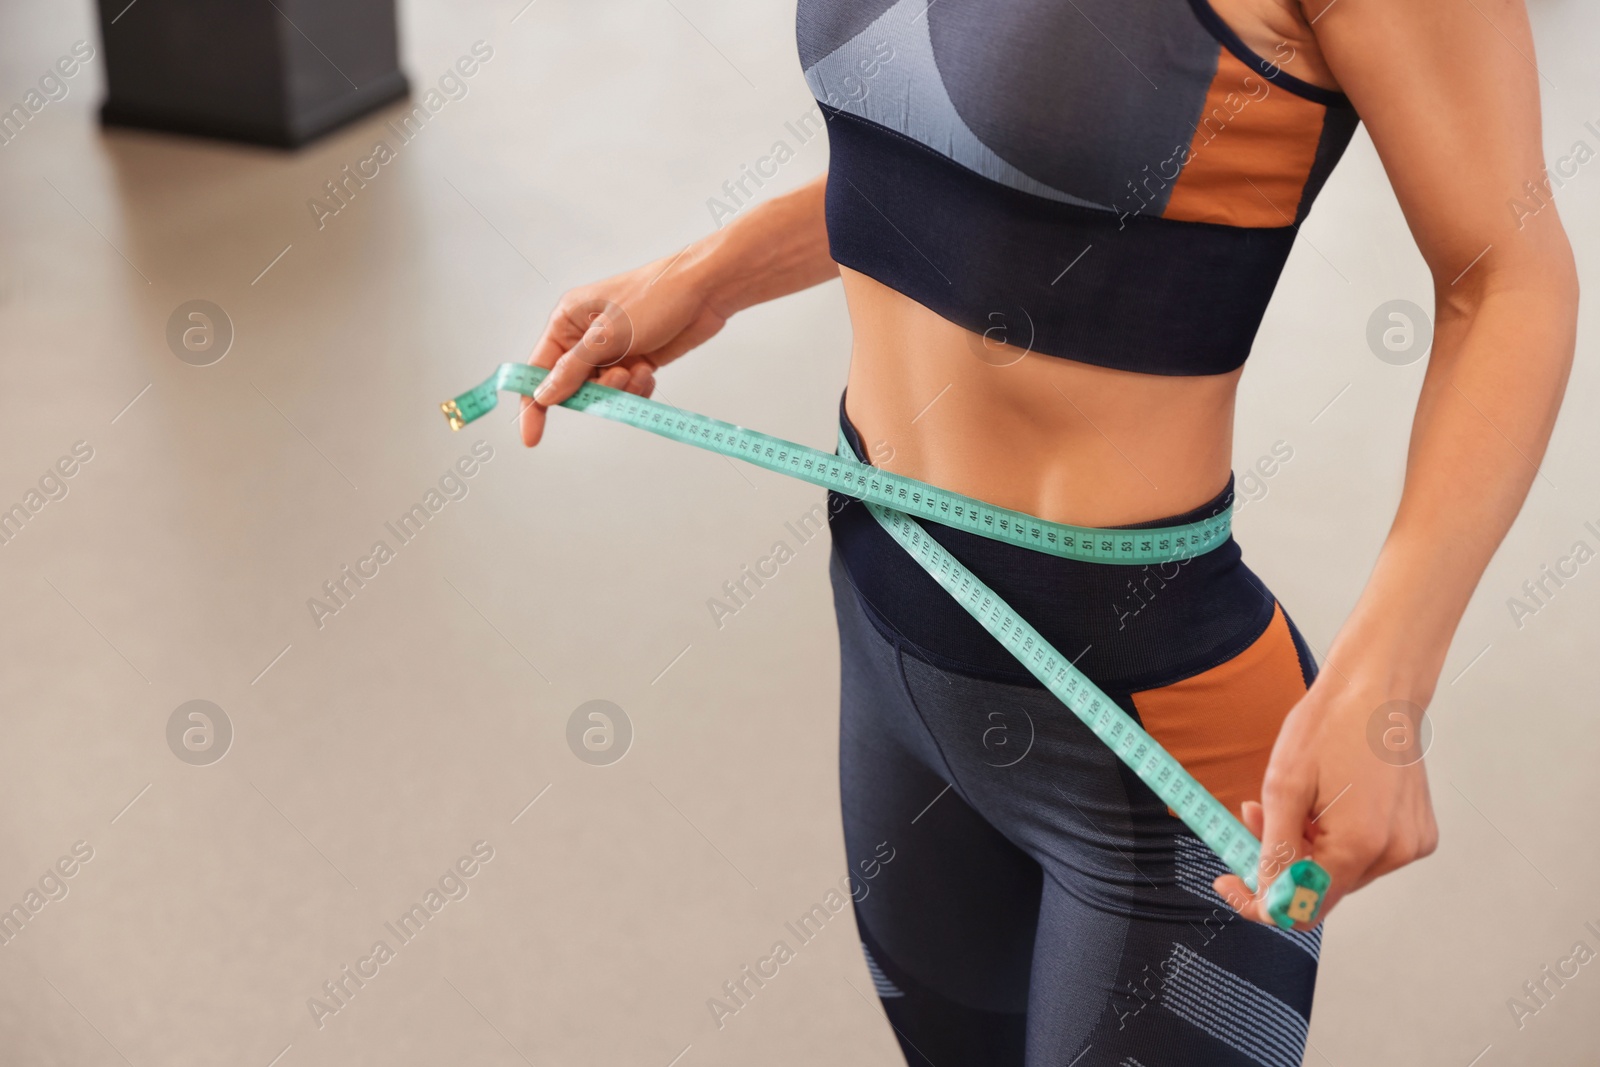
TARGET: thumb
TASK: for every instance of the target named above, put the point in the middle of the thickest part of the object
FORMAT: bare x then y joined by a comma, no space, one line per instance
1230,887
607,337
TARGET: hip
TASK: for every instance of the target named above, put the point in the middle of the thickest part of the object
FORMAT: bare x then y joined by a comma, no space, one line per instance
1197,650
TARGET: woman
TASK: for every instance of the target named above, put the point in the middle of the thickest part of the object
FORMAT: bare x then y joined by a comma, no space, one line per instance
1058,226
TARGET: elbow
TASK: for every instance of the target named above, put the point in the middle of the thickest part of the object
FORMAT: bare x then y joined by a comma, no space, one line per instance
1543,284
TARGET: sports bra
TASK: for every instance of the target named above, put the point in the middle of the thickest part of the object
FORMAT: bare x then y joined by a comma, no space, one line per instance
1116,182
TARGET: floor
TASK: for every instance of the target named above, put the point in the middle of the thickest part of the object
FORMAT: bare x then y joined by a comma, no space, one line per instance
423,732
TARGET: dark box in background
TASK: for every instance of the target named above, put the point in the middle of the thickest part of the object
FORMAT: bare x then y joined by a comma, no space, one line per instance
275,72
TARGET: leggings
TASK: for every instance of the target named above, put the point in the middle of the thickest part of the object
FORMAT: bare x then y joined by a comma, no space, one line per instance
1041,906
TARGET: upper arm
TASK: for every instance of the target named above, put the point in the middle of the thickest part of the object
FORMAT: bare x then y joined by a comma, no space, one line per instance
1449,93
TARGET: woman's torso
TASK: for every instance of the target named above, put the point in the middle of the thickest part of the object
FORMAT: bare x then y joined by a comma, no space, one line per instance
1065,441
1106,403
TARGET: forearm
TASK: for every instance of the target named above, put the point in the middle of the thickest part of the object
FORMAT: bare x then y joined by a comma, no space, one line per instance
1500,360
777,248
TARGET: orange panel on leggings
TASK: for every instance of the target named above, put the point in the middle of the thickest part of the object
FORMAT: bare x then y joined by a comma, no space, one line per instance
1221,723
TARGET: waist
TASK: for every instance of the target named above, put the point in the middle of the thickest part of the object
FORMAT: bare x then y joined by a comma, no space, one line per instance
1121,624
1064,441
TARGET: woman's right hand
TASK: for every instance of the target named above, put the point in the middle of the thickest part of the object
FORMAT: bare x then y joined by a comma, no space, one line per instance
618,332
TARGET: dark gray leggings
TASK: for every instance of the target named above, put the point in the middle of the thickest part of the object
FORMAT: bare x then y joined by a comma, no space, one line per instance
1042,907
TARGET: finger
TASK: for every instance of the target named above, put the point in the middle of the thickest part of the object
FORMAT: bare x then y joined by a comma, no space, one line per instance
1286,801
564,379
549,348
1349,853
1230,887
1404,848
1358,851
1251,815
1234,893
1237,895
642,378
1428,833
1412,834
531,422
614,377
560,334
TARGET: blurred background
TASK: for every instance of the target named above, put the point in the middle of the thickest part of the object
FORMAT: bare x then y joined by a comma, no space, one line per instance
220,394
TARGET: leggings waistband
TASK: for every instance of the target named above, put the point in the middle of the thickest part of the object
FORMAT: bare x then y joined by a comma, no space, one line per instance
1122,625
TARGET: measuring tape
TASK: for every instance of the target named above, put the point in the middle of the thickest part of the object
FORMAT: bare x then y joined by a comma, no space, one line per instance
896,501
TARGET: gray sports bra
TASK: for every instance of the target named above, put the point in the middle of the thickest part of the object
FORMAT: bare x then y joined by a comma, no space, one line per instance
1111,181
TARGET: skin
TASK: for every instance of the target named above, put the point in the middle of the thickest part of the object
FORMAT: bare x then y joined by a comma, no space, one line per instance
1452,106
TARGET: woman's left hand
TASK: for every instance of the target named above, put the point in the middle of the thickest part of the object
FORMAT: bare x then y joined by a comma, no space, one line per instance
1346,787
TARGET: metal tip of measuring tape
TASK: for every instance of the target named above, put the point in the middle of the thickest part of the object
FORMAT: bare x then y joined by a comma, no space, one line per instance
453,413
1297,894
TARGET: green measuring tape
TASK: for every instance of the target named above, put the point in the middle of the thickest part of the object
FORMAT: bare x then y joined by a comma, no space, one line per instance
895,501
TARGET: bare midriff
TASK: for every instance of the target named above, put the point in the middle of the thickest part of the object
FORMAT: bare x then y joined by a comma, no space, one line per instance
1062,440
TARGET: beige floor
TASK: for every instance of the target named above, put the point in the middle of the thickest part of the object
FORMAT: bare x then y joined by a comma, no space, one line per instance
372,752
